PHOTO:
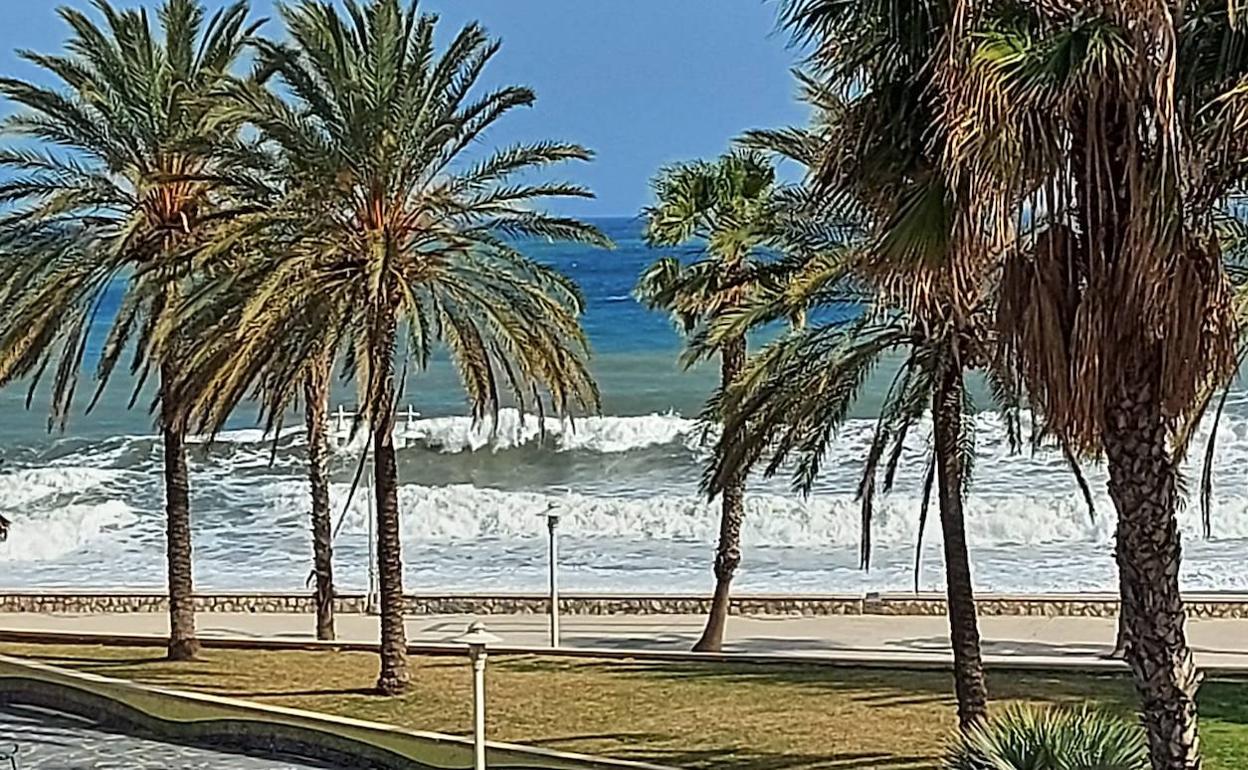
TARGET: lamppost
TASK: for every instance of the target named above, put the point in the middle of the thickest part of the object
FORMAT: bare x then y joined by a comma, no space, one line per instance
478,640
551,515
372,602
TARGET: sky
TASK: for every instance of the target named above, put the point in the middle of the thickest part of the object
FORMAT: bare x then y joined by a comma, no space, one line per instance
642,83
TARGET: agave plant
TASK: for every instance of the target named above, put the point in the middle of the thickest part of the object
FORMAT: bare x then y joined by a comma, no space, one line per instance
1050,739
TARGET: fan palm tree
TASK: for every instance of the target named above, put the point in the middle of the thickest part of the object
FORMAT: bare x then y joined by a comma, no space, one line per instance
386,242
1119,127
116,175
872,156
790,399
732,207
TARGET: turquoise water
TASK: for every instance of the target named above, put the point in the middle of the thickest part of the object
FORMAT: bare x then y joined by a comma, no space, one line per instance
86,505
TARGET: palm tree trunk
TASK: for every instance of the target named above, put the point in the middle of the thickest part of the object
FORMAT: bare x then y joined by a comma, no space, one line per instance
1142,484
732,502
183,644
394,677
316,404
968,666
1122,639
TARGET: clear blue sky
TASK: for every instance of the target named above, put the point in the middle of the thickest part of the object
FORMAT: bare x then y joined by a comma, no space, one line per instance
641,82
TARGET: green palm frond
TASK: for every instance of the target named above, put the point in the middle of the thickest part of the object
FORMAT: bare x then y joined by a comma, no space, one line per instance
730,207
114,175
792,397
387,235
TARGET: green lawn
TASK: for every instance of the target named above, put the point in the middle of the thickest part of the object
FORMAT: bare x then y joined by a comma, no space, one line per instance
735,717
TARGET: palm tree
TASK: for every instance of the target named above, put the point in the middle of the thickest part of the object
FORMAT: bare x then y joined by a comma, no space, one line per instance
316,420
122,177
387,242
732,207
1119,128
873,156
790,399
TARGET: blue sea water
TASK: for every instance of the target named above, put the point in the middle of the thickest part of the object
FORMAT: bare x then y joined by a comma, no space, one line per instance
86,504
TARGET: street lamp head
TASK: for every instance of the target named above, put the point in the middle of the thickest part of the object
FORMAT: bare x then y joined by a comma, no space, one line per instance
554,510
477,637
556,504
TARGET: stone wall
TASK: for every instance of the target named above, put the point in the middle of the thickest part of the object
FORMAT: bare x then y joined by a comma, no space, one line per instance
1056,605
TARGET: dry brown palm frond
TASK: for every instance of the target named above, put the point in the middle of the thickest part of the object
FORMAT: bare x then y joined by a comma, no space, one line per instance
1121,279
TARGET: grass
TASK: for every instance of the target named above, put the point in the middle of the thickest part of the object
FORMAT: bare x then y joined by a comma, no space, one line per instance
732,717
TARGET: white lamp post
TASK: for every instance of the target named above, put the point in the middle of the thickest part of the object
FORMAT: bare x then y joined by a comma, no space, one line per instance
372,602
552,515
478,639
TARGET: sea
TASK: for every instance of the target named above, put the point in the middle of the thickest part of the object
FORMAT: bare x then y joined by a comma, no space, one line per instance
86,503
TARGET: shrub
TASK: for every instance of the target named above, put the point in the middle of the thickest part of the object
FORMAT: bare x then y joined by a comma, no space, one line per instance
1050,739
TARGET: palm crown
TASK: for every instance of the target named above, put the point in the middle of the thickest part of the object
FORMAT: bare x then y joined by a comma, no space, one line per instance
378,225
126,173
734,207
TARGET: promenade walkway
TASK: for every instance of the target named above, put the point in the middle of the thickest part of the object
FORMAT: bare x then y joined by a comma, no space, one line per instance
1221,646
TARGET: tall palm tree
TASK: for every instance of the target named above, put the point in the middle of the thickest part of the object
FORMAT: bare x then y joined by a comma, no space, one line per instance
387,241
786,405
123,176
1118,127
873,152
316,420
730,206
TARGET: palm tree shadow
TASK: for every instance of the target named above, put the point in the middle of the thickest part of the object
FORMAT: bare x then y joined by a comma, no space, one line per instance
633,747
940,644
329,691
87,663
729,759
1225,701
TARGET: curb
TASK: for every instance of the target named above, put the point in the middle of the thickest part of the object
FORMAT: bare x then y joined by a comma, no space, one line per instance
854,660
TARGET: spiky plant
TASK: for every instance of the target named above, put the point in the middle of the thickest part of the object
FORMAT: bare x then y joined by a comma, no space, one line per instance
1051,738
115,173
732,209
386,242
1117,128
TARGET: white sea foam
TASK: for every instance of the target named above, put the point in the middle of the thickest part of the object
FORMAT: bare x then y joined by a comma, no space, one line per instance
593,434
30,486
464,513
634,523
456,434
247,436
54,534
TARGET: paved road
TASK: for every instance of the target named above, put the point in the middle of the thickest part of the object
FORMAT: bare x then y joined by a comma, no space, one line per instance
1220,644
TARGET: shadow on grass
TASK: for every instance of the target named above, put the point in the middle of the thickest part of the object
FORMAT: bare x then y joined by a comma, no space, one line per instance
1225,701
633,747
755,760
1222,702
87,664
327,692
883,687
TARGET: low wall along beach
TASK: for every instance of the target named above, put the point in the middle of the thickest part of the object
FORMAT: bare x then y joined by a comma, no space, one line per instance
1050,605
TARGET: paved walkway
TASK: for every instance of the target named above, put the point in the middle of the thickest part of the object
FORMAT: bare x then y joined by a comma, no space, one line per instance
1219,644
